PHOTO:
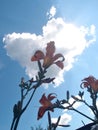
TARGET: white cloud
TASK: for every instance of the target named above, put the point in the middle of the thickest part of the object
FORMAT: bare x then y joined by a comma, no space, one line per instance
52,12
64,120
70,40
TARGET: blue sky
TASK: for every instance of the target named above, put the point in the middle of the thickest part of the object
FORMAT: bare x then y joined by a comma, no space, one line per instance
26,26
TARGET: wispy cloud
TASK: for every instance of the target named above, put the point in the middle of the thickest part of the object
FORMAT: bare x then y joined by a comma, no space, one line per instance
52,12
70,40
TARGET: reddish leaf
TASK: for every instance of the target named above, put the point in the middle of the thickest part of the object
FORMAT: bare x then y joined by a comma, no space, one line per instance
41,112
51,97
43,99
49,58
57,56
37,56
46,105
50,49
91,82
60,64
47,61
